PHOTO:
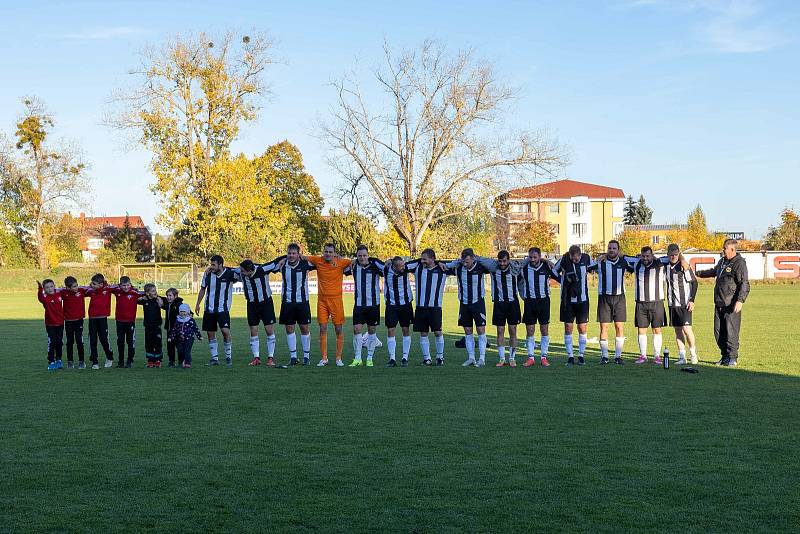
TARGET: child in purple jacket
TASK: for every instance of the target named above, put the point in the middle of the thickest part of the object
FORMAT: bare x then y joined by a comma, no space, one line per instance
183,334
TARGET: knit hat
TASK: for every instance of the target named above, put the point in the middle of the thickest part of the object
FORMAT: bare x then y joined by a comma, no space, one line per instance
188,310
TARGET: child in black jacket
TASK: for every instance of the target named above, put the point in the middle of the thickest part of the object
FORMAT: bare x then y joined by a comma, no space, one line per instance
151,304
171,304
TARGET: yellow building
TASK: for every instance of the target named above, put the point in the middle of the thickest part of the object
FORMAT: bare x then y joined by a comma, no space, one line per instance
582,214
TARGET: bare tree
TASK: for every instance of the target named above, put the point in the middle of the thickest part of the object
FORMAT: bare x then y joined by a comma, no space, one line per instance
41,180
434,139
190,98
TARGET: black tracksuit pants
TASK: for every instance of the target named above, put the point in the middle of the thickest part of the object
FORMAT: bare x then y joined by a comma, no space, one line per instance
55,342
126,335
726,331
98,331
74,331
152,342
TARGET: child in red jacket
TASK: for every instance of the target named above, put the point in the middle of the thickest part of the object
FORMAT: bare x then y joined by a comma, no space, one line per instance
99,293
125,316
50,298
74,297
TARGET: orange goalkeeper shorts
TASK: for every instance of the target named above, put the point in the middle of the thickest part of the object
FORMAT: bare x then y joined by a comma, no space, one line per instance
330,309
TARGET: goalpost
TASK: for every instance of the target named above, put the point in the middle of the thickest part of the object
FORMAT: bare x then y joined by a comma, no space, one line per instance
181,276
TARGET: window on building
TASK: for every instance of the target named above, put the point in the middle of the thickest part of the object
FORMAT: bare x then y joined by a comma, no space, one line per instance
521,208
617,208
656,239
554,207
618,227
579,229
556,229
94,244
578,208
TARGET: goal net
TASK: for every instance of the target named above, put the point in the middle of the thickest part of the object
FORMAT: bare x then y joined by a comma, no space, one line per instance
181,276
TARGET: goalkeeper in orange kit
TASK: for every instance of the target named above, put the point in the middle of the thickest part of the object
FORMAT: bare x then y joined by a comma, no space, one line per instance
330,273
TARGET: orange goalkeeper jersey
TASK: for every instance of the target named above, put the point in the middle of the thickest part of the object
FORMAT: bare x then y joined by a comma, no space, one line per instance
329,275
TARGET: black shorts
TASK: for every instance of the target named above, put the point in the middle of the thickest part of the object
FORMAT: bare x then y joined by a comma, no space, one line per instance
574,311
368,315
680,317
295,313
428,320
399,313
611,309
472,313
505,312
537,311
212,320
650,314
260,312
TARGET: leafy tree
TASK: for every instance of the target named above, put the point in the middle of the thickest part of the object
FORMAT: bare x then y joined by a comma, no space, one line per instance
536,233
697,233
786,235
63,240
631,241
430,140
349,229
191,98
39,181
12,251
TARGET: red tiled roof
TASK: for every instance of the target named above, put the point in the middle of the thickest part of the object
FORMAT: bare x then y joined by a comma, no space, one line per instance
566,189
117,222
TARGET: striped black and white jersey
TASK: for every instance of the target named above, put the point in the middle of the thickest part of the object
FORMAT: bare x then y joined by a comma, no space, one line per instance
471,288
295,281
611,274
367,281
504,281
256,287
430,284
574,278
397,286
219,290
534,281
681,286
650,281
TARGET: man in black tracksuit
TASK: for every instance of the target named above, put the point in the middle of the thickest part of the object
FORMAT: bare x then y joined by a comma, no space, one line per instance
730,292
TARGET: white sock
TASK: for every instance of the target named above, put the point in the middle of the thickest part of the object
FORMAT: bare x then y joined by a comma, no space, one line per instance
531,346
544,345
604,349
212,346
470,343
228,349
482,342
440,347
693,352
254,348
512,352
682,354
372,340
364,338
305,339
358,342
657,344
271,345
618,344
391,346
291,342
568,344
425,345
582,340
501,351
406,346
642,344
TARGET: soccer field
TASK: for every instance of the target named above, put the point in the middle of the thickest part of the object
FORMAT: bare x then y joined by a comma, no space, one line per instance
407,449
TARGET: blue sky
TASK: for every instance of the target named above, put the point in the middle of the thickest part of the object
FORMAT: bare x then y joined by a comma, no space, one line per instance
685,102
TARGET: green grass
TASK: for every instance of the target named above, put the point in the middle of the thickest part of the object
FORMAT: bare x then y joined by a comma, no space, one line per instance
416,449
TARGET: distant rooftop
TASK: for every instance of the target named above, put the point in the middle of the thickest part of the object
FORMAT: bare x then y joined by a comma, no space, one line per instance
562,189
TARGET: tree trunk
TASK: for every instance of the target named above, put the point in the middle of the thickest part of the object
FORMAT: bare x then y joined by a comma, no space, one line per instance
40,245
